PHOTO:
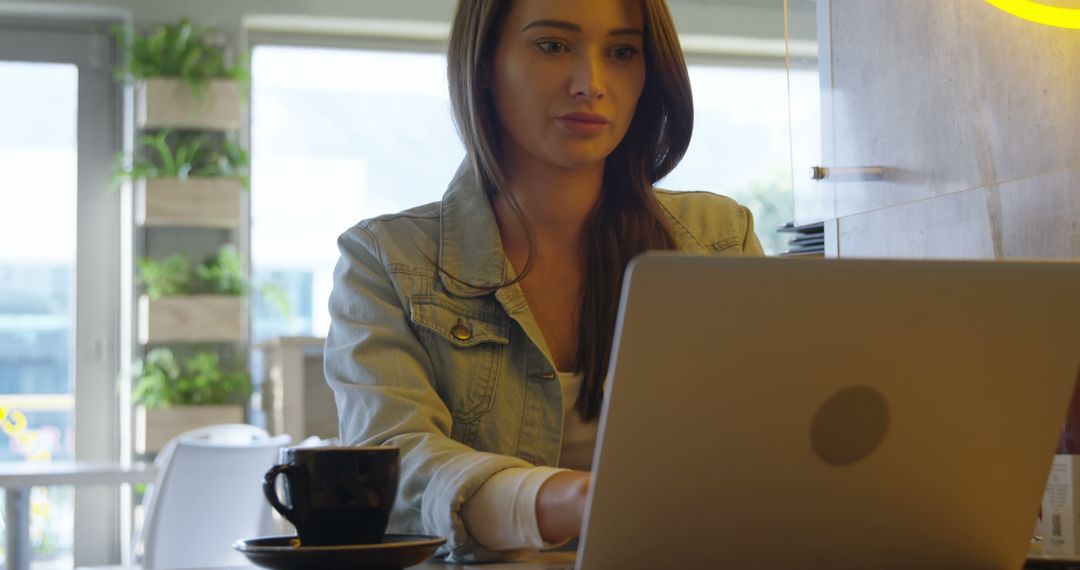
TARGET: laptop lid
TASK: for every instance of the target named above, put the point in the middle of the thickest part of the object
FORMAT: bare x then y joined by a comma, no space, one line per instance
768,413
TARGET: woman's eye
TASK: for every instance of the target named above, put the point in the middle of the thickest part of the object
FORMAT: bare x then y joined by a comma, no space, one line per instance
551,47
624,53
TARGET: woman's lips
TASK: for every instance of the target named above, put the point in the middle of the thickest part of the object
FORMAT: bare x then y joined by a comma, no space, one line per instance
583,123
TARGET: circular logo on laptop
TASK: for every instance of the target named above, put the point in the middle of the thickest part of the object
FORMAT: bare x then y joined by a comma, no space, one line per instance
850,425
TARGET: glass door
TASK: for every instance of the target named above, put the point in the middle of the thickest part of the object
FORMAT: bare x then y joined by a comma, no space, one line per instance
807,78
59,274
38,191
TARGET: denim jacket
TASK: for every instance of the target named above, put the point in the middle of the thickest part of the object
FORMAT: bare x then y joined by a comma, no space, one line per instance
456,376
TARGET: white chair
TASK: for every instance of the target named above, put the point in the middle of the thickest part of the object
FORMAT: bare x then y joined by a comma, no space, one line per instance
207,495
316,441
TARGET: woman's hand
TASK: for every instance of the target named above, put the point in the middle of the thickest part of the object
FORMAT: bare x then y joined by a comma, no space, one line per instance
560,505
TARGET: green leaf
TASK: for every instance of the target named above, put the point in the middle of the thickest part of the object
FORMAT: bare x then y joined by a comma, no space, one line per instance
165,155
201,379
156,44
168,277
181,160
223,273
189,65
155,379
178,50
195,145
179,45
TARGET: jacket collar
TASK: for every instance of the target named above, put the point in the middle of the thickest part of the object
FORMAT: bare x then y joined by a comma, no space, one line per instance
472,261
685,241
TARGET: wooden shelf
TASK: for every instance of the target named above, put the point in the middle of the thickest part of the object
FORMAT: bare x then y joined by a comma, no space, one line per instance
169,103
192,318
197,202
154,427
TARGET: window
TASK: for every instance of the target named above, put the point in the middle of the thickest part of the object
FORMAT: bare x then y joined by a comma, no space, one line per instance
38,173
741,144
337,136
336,140
59,271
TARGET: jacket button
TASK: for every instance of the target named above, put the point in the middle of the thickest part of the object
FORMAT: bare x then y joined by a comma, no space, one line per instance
460,331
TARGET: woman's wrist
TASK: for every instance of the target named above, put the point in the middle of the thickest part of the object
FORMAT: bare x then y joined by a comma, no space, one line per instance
560,505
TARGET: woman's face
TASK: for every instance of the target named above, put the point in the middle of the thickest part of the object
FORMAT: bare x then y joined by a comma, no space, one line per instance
566,78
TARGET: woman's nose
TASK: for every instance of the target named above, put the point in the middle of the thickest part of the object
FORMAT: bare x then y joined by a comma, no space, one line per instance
587,81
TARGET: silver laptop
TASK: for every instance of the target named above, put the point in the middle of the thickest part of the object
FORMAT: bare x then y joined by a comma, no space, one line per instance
768,413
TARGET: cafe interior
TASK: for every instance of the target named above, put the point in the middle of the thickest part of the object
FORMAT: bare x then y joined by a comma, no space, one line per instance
168,229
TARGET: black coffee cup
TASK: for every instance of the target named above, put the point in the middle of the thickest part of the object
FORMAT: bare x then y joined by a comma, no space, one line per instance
336,495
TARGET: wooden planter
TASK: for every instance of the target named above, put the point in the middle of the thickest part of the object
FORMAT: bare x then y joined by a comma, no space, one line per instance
154,427
170,103
199,202
193,318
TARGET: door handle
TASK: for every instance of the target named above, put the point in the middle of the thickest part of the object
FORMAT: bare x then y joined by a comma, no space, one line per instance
847,174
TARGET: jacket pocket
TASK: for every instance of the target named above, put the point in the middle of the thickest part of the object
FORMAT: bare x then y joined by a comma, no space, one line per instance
466,347
726,247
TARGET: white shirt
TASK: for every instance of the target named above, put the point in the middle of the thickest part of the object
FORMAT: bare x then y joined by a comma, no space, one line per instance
502,513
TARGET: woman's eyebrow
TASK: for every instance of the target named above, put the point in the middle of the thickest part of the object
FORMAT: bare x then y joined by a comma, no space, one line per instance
572,27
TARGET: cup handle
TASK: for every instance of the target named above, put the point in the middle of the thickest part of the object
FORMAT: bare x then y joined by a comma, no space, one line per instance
292,473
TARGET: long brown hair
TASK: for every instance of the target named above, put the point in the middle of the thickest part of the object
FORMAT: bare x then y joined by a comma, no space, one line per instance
628,219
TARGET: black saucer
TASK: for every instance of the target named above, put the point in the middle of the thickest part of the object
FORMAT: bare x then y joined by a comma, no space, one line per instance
395,552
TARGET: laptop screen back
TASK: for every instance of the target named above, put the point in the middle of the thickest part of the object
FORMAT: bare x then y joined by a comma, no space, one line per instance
843,414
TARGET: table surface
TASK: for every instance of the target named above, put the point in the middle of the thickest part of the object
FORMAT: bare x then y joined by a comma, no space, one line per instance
26,474
539,561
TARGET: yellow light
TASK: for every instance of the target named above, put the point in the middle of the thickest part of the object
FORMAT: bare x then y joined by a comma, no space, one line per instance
1041,13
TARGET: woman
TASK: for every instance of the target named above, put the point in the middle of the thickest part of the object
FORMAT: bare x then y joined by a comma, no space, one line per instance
474,333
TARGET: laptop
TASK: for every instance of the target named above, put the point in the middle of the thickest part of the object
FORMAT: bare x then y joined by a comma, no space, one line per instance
772,413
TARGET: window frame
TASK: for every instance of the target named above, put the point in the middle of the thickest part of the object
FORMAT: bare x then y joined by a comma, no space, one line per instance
80,36
402,36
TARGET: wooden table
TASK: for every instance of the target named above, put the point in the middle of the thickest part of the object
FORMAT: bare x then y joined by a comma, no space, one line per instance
18,478
540,561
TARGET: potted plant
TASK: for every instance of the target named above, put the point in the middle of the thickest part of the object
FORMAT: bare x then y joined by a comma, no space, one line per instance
174,396
185,178
182,78
186,303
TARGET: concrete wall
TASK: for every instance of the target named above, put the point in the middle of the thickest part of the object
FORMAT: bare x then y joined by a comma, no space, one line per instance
973,112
